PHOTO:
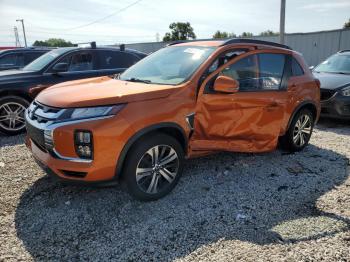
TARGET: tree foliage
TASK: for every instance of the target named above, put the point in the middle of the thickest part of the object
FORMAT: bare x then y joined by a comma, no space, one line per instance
347,24
53,42
222,34
179,31
268,33
246,34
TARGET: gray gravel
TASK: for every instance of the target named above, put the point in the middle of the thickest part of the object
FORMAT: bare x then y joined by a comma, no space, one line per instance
252,207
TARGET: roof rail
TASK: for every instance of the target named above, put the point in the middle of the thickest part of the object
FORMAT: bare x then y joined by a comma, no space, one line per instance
253,41
92,44
343,51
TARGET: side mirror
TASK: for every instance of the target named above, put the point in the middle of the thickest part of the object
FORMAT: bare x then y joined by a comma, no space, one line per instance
226,84
311,67
60,67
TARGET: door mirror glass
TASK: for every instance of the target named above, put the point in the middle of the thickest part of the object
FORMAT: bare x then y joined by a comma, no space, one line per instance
226,84
60,67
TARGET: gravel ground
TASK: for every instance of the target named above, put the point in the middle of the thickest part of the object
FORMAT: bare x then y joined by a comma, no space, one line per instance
251,207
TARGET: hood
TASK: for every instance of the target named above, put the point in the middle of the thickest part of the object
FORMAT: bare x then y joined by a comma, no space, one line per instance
14,73
332,81
101,91
16,76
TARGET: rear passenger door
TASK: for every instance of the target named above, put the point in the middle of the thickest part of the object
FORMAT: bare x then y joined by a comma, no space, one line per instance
249,120
114,61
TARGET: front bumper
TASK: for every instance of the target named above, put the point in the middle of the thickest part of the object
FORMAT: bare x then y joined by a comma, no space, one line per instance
109,136
338,106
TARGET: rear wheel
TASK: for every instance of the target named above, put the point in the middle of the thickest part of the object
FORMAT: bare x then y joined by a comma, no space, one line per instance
299,133
153,167
12,109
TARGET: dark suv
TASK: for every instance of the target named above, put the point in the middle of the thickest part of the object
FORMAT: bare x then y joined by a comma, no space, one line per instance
19,57
19,87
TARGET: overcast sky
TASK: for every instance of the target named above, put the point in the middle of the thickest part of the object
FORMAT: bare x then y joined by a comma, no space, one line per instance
140,21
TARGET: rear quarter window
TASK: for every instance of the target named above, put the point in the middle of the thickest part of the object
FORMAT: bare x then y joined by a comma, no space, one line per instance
297,70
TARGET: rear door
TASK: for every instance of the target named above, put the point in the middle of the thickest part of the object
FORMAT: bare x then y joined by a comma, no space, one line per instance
249,120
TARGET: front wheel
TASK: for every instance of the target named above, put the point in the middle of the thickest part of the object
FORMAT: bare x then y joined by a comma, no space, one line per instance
12,109
153,167
299,132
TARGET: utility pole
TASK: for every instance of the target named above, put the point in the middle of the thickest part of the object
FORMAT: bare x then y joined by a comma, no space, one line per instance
282,20
24,31
18,43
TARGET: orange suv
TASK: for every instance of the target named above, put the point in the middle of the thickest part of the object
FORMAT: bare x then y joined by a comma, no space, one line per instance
185,100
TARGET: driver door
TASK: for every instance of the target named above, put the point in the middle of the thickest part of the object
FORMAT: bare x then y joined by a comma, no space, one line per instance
248,120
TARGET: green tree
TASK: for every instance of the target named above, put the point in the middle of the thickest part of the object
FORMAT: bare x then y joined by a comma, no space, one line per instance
246,34
218,34
268,33
347,24
53,42
179,31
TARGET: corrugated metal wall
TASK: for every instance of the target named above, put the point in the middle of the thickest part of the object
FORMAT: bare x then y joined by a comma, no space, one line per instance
315,46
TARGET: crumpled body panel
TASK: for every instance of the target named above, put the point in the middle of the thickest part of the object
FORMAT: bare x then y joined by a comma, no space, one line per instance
241,122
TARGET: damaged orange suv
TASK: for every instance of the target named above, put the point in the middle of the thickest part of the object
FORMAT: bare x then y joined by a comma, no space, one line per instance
185,100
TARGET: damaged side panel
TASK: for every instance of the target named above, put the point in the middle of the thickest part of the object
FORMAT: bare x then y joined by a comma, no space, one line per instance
241,122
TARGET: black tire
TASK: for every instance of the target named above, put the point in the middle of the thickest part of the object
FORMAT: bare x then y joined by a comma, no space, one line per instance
139,183
288,141
15,125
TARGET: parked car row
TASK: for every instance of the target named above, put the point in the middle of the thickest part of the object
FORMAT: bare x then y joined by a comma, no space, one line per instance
19,87
185,100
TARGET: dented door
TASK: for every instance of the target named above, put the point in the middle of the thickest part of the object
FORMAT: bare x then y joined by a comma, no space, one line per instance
246,121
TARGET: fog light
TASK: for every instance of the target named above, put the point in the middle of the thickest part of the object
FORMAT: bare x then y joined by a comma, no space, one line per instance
83,143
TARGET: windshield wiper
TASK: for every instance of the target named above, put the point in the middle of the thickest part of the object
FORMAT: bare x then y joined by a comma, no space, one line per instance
133,79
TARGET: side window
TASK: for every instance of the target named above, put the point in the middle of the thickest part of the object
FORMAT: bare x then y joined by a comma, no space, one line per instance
224,58
11,60
31,56
245,71
297,70
81,61
115,59
271,67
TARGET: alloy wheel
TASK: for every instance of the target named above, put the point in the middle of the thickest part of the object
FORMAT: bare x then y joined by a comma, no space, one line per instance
157,169
12,116
302,130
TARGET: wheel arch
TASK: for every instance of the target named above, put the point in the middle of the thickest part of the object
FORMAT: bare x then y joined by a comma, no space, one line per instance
16,93
305,104
169,128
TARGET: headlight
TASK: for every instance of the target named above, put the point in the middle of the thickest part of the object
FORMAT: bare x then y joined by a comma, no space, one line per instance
346,91
90,112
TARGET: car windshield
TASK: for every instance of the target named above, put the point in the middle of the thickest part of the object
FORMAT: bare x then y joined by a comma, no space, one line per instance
45,59
170,66
339,63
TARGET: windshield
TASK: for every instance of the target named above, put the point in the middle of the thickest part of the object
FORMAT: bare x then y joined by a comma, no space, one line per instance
339,63
170,66
45,59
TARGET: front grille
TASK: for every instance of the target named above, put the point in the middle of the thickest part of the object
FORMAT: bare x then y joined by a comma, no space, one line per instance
38,118
42,114
327,94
